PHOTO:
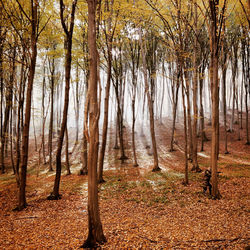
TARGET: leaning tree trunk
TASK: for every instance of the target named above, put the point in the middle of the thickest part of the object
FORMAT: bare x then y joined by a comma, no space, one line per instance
95,232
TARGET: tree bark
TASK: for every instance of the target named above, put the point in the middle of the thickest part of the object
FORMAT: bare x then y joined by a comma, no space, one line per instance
150,107
190,134
95,232
68,58
195,89
84,153
25,137
8,104
52,84
106,100
67,151
185,132
214,43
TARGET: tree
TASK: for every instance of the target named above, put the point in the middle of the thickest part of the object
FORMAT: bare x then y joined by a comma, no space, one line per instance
95,232
215,40
148,92
25,135
109,33
68,58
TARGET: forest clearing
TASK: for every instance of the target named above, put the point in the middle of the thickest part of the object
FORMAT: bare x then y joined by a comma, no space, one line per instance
124,124
139,208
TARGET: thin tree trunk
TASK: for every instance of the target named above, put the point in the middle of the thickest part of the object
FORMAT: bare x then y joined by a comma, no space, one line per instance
67,151
43,116
185,132
246,106
2,39
8,108
52,83
224,75
106,100
163,91
116,132
175,103
190,134
195,106
150,106
77,108
11,143
25,138
69,33
133,129
20,105
84,154
238,113
34,127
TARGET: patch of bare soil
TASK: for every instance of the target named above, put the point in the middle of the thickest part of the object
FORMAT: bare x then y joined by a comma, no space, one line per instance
139,209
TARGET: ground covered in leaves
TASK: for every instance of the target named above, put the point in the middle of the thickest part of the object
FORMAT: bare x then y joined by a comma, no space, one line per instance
139,209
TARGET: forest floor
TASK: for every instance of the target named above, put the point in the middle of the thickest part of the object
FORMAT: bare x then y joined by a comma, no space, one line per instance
139,209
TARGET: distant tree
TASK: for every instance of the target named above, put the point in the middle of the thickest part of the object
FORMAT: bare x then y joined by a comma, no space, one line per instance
109,33
149,93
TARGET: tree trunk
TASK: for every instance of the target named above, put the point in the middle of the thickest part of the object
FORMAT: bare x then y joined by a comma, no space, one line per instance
43,116
20,105
133,129
84,154
163,91
190,134
69,33
106,100
25,138
52,83
9,94
224,75
195,107
77,108
2,39
202,116
34,127
150,106
215,93
185,132
67,151
95,232
175,93
246,104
